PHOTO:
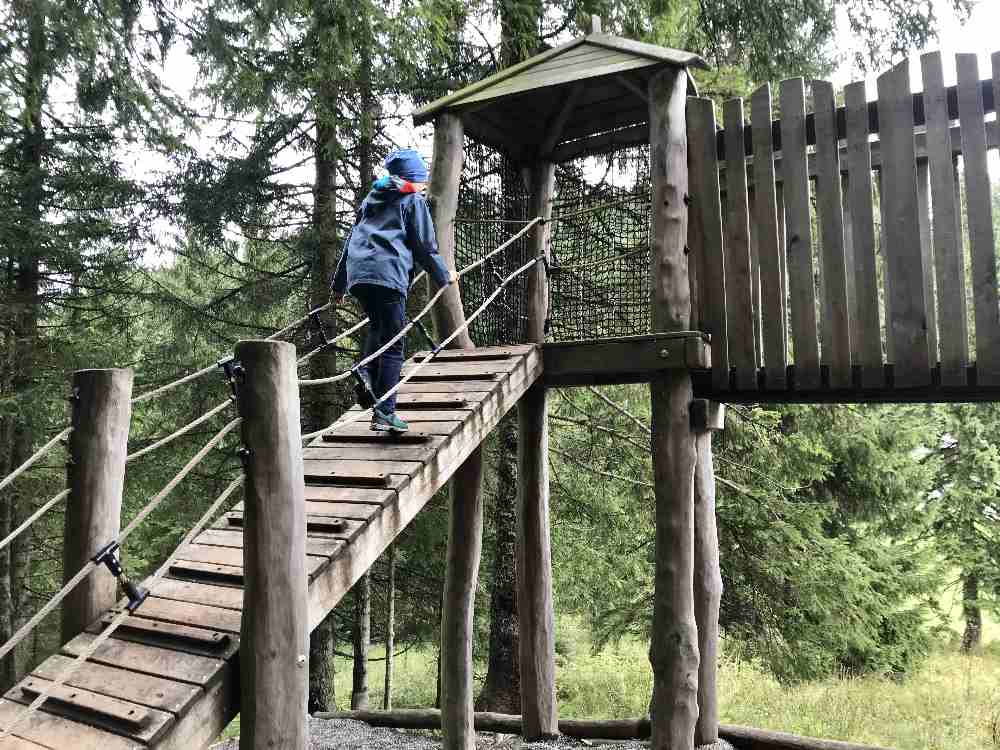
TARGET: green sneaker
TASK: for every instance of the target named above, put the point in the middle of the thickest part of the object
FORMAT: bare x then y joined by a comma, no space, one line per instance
388,423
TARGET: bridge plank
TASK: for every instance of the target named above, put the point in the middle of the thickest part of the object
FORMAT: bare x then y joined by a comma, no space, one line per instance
799,245
386,450
361,429
949,251
233,537
361,495
189,613
739,299
199,593
58,733
978,199
151,660
904,265
156,692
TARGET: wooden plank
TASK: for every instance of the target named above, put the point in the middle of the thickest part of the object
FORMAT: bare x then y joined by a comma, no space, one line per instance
439,401
451,388
200,593
121,717
58,733
369,437
774,334
473,370
799,234
361,495
222,575
421,415
347,511
860,201
980,221
349,471
218,706
155,692
13,742
739,300
949,251
385,451
325,531
905,286
156,632
234,538
852,293
927,256
755,311
330,586
623,360
361,429
151,660
706,211
189,613
837,349
232,557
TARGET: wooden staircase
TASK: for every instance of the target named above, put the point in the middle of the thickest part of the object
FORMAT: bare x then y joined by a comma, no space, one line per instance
169,678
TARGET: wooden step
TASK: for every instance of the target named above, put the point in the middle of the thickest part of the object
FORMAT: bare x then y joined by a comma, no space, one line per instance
156,632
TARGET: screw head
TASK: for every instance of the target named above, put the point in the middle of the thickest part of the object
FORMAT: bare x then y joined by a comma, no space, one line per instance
664,353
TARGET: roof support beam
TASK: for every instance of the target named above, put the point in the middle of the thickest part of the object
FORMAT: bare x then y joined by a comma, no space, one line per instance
559,122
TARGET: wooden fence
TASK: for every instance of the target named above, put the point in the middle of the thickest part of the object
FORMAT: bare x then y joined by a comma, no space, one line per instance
850,248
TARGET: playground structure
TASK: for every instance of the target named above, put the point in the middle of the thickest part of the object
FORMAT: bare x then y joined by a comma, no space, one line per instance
739,300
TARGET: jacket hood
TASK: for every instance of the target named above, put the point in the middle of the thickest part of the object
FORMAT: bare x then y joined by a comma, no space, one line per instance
387,190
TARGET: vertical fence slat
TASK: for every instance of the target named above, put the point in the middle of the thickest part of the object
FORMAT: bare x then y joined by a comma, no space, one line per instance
949,251
836,349
908,317
979,200
927,255
739,300
782,267
852,294
706,210
883,243
769,249
758,354
795,174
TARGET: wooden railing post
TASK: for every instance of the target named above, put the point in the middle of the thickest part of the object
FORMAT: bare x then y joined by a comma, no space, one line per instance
534,556
674,648
706,417
98,445
274,650
465,530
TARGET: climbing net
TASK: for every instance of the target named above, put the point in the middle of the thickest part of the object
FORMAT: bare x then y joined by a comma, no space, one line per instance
599,243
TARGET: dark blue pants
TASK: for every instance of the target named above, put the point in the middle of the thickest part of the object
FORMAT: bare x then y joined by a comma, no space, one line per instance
386,310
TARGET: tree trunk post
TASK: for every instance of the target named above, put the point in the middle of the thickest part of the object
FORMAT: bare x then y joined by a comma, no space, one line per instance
98,445
390,628
465,532
534,554
706,418
362,640
674,644
275,627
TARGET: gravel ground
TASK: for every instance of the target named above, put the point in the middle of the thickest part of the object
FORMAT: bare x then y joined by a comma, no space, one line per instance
356,735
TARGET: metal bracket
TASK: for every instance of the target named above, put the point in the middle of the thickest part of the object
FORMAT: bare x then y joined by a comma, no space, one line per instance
423,332
363,390
232,370
108,557
318,325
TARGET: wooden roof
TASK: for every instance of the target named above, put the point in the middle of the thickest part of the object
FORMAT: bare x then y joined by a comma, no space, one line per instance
566,101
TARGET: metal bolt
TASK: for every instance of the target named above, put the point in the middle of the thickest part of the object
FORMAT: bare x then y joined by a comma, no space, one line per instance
301,661
687,199
664,354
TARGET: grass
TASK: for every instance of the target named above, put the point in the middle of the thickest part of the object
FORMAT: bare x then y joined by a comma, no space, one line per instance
952,703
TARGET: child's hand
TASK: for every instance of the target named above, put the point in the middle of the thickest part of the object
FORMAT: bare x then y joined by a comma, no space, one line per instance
452,277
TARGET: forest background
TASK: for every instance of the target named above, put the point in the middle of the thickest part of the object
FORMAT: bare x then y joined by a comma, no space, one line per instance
176,176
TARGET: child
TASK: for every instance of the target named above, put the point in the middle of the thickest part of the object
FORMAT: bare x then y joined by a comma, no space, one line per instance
393,229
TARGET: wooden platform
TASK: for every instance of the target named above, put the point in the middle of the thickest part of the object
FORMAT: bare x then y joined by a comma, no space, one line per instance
169,678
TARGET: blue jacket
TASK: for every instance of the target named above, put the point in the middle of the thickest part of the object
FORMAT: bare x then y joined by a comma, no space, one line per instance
392,230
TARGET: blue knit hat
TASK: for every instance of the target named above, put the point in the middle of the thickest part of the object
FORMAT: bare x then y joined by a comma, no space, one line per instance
408,164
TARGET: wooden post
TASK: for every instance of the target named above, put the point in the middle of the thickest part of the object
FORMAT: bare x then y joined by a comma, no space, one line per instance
362,640
465,531
390,628
534,557
706,417
674,646
98,445
274,633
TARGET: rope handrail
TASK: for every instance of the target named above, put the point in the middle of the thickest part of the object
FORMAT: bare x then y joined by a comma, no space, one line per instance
34,457
120,618
468,321
86,570
178,433
33,517
433,300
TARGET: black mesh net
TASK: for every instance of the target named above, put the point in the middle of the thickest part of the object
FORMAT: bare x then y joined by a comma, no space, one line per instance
599,242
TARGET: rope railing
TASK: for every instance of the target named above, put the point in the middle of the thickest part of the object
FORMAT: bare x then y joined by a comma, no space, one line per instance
430,304
87,569
34,458
451,337
33,517
120,618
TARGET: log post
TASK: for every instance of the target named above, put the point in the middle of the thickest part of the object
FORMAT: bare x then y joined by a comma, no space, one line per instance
534,556
98,445
465,531
274,632
674,645
706,418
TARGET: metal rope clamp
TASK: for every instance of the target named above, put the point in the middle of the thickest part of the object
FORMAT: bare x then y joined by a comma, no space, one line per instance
109,558
231,369
317,323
